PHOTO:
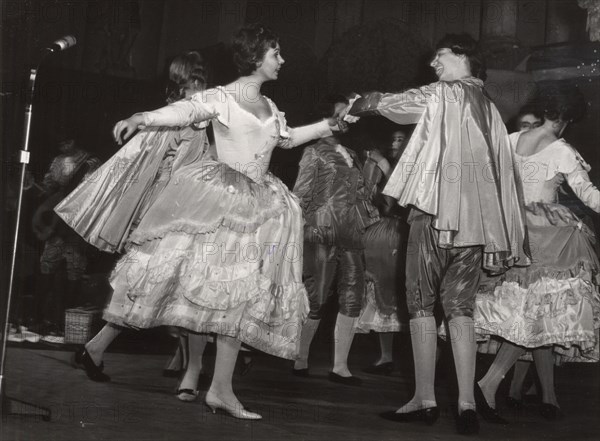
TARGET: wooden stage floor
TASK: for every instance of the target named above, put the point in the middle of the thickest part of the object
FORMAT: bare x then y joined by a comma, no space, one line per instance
139,403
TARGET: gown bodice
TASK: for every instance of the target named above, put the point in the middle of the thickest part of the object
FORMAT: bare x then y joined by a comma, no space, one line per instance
533,170
543,173
242,140
247,145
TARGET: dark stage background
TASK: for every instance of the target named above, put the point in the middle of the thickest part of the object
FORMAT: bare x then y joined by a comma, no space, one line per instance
118,64
118,67
123,47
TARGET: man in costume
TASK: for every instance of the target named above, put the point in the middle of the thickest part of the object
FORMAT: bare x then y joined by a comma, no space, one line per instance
457,175
337,211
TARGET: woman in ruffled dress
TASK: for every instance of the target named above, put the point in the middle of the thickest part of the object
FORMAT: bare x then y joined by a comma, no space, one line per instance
385,252
186,77
220,250
553,306
111,203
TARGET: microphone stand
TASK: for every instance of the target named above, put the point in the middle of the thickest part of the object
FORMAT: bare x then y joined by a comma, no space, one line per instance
12,406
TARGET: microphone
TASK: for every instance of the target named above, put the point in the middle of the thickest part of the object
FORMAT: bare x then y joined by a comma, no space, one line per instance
62,44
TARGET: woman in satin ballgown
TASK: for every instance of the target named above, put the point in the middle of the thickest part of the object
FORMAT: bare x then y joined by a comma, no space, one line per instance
221,251
553,306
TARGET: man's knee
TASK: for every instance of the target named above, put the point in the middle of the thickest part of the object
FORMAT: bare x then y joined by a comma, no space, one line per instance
350,307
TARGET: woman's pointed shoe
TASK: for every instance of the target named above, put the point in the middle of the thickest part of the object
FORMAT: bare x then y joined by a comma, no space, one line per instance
187,395
428,416
214,403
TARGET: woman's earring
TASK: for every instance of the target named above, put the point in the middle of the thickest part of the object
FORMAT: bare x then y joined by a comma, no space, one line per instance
565,124
559,126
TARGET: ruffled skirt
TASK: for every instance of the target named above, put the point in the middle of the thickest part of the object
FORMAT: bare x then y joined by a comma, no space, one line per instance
208,249
384,305
555,301
217,252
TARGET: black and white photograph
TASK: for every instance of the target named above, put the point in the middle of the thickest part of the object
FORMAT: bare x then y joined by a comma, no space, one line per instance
345,220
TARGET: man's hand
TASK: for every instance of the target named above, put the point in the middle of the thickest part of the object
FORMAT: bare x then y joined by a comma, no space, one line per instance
344,113
366,105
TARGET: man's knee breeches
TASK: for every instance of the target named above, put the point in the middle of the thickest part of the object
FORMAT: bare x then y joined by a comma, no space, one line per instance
453,274
332,271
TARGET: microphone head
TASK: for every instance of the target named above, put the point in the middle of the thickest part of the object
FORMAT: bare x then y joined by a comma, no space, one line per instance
66,42
62,44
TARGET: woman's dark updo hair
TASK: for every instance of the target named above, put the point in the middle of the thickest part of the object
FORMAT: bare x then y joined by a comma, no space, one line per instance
184,70
529,109
249,46
464,44
560,102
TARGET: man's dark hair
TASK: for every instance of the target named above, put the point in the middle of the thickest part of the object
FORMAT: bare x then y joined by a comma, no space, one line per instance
464,44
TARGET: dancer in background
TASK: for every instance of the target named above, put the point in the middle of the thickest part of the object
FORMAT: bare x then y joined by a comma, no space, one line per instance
460,221
384,308
219,251
337,210
187,75
553,306
61,244
126,186
527,118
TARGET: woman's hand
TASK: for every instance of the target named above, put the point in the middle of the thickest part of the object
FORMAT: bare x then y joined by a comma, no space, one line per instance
337,125
125,128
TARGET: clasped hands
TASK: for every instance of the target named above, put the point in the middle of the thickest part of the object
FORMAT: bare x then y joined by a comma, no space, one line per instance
341,121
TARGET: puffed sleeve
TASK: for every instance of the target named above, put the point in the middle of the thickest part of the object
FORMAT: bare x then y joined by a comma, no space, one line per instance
199,109
402,108
514,138
307,176
580,182
570,163
292,137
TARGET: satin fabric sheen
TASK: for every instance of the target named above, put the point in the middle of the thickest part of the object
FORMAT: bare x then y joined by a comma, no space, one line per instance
106,205
218,247
457,167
